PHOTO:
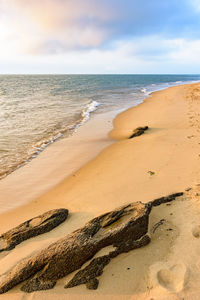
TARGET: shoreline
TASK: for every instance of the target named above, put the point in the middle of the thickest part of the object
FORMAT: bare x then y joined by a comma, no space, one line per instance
41,174
35,177
86,115
118,175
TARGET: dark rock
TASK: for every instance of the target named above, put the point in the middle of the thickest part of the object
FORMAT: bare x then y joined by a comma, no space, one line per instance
121,228
138,131
95,268
188,189
90,272
166,199
32,227
124,228
92,284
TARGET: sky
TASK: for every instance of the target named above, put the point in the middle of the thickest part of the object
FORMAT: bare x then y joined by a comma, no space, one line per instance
100,36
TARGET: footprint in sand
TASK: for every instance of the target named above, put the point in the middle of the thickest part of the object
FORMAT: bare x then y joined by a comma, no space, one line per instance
172,279
196,231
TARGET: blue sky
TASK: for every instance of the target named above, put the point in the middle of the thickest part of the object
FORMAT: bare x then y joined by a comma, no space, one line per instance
99,36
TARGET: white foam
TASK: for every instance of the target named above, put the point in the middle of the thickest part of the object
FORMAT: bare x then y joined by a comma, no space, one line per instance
143,90
90,107
85,114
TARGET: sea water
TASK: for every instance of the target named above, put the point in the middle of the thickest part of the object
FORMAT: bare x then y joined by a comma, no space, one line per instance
36,110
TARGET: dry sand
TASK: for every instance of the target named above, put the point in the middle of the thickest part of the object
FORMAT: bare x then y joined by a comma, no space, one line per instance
169,267
57,162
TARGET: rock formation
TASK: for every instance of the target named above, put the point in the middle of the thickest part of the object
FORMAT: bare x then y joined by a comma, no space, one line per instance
32,227
124,228
138,131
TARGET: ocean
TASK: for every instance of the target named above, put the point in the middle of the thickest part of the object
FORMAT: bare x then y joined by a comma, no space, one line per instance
37,110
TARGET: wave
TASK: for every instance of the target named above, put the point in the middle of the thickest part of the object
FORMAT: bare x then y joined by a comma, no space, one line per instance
85,114
40,146
143,90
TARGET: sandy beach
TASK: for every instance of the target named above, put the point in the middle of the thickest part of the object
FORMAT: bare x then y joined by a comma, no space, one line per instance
99,169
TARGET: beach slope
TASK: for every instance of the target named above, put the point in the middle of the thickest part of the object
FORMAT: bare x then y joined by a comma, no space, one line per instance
162,161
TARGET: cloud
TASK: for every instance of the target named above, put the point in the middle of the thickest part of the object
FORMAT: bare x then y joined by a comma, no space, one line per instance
107,36
130,56
55,26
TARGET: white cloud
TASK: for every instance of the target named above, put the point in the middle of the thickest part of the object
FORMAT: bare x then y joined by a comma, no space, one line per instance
174,56
185,51
51,26
196,4
74,32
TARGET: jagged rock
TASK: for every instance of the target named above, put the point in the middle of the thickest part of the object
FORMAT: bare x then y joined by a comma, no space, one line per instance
124,228
89,273
166,199
92,284
128,223
95,268
138,131
32,227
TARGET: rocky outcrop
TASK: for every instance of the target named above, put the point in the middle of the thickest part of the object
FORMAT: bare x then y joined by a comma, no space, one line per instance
166,199
124,228
138,131
89,274
32,227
